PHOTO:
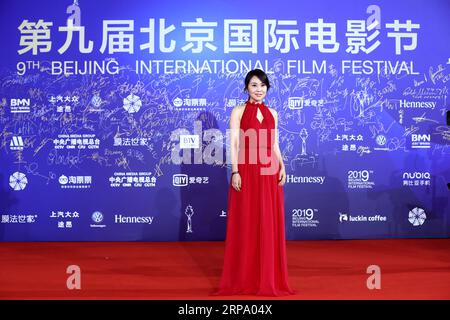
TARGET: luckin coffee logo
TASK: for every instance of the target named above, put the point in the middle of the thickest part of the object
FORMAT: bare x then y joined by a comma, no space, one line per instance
361,218
343,217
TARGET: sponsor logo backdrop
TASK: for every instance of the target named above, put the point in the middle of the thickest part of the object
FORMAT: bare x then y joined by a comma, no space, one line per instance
114,117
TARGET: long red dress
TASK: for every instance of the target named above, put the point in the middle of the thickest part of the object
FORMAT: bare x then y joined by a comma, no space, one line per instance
255,248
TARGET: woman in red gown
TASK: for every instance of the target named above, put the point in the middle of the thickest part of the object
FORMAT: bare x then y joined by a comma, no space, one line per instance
255,248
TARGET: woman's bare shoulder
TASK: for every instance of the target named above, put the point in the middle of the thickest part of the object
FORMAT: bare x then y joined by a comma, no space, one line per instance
240,107
238,110
274,112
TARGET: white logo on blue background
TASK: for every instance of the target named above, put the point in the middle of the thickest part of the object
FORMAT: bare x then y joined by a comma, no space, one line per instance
132,103
63,180
343,217
417,216
18,181
96,101
381,140
97,217
177,102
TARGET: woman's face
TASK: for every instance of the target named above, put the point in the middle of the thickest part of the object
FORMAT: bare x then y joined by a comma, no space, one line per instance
256,89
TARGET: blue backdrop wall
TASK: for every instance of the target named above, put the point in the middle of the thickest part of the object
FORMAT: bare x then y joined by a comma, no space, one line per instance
100,101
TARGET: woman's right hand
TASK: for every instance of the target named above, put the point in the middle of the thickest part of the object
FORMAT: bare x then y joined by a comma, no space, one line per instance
236,181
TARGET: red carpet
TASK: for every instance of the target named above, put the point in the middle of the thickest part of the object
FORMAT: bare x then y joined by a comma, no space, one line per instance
410,269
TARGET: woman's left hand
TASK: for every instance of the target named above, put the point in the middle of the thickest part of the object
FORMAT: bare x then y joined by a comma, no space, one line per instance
282,177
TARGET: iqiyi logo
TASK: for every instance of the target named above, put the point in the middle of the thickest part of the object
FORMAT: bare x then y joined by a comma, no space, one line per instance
295,103
189,141
207,147
180,180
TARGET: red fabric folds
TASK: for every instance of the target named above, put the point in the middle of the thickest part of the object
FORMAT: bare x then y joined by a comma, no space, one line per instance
255,251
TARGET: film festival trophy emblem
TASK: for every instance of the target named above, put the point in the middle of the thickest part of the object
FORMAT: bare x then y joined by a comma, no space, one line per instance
303,136
189,213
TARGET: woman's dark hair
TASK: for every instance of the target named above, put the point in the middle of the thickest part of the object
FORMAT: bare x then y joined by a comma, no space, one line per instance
261,75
